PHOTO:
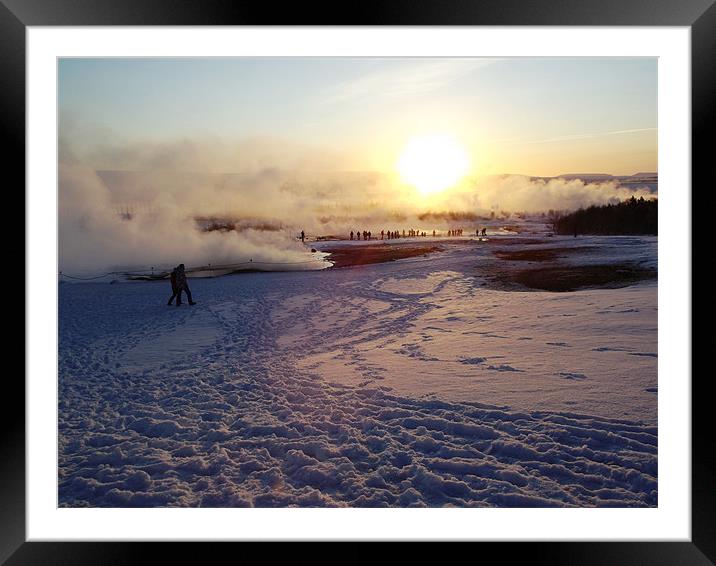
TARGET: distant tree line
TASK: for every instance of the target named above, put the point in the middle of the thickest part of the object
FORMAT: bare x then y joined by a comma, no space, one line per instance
633,216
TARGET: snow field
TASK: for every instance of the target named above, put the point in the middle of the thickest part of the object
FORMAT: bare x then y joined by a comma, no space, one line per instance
400,384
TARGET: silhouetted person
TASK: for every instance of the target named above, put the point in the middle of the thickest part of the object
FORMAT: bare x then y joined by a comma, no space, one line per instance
303,236
182,285
175,290
351,234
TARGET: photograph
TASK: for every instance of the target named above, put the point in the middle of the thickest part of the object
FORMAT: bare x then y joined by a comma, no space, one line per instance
357,282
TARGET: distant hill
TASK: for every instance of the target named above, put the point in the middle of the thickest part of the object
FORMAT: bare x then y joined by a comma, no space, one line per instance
586,176
606,176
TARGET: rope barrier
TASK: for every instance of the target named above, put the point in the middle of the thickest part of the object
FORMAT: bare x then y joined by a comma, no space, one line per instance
84,278
161,274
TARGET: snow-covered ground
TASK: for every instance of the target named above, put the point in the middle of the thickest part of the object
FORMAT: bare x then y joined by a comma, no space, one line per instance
410,383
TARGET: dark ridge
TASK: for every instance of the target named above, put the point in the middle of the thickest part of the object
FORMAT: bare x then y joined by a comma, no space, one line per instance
565,278
545,254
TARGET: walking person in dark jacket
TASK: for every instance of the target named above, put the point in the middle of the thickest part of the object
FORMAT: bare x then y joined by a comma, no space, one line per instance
182,285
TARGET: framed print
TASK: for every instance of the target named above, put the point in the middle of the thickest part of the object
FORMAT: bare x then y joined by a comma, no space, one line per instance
398,277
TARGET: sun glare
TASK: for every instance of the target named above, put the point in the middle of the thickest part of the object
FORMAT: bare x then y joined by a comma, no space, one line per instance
432,163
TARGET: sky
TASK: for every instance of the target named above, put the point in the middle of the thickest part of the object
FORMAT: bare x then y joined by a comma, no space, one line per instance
531,116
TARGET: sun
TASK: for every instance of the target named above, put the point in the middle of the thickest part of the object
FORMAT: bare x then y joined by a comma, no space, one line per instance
432,163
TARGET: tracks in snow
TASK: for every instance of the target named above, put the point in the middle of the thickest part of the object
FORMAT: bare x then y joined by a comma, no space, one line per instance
235,422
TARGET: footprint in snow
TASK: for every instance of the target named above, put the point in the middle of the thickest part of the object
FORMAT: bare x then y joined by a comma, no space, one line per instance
504,367
571,375
473,361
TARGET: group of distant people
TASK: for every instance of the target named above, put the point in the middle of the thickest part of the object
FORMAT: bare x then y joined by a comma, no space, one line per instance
460,231
366,235
394,234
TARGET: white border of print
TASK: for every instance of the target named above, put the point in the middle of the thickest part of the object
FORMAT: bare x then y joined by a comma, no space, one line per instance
670,521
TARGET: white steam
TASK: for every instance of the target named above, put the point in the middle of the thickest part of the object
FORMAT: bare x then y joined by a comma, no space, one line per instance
278,190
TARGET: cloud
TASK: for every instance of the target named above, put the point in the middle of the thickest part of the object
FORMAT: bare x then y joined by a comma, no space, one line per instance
396,79
571,137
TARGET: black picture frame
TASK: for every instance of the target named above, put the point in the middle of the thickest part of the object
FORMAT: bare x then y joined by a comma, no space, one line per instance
699,15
